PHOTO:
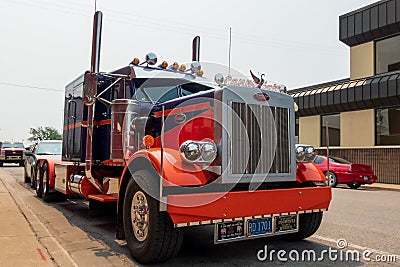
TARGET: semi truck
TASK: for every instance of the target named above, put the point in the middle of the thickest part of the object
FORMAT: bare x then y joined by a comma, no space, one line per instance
185,152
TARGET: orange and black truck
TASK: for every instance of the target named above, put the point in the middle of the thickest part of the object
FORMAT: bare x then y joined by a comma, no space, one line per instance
184,152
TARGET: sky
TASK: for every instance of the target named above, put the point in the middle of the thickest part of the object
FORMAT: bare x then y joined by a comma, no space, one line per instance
45,44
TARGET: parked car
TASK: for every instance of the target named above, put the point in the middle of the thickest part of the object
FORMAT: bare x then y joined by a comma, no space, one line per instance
342,171
12,152
48,149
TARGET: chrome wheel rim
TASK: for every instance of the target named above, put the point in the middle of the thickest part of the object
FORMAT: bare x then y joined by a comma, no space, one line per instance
45,182
37,182
330,179
33,178
140,216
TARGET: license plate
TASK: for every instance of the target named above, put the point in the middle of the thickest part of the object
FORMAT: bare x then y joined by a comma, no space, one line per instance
262,226
285,223
230,230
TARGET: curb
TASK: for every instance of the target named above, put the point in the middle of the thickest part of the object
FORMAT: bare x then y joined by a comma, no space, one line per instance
384,188
44,237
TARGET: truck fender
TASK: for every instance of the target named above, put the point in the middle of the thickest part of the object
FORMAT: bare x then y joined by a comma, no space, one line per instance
308,171
175,172
50,168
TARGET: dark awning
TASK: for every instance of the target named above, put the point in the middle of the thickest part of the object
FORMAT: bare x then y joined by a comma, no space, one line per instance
375,21
373,92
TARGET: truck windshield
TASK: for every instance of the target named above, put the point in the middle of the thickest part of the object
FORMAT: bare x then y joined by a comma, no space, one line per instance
49,148
157,94
13,145
160,90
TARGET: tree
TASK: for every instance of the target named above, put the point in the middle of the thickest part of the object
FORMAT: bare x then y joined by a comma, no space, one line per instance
46,133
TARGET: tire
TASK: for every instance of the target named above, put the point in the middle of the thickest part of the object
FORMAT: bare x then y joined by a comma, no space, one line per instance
308,225
157,242
39,182
33,177
46,195
331,179
1,164
21,163
354,185
26,178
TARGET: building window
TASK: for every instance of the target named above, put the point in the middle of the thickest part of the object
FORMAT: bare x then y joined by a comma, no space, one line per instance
387,55
332,122
388,126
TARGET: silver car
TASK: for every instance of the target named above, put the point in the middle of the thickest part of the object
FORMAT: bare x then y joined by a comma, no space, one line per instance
47,149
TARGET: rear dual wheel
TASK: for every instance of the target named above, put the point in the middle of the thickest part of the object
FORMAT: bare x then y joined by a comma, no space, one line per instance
38,181
33,177
26,177
149,233
42,183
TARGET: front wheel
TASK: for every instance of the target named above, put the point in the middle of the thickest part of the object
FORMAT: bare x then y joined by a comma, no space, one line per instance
1,164
150,233
354,185
308,225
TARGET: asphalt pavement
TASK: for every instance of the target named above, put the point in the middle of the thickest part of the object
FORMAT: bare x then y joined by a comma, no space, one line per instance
35,233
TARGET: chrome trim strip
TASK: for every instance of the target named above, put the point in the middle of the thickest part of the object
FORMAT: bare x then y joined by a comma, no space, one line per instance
216,221
163,202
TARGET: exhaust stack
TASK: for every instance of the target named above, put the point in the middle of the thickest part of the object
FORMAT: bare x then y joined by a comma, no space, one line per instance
96,42
90,98
196,49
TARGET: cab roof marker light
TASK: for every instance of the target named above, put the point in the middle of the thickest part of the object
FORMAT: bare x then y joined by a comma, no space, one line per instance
174,66
163,65
182,68
135,61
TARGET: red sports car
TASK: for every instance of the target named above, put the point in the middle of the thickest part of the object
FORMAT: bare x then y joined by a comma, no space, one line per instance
344,172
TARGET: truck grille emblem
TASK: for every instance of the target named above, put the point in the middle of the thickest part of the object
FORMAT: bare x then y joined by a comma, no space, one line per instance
261,96
180,118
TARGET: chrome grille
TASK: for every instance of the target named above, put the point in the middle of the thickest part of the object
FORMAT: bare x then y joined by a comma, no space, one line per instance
267,131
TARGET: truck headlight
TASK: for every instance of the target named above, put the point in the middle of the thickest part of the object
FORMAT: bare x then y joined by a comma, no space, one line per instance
208,151
190,151
305,153
300,153
310,154
198,151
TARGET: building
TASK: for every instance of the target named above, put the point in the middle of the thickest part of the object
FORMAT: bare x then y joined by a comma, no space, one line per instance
363,111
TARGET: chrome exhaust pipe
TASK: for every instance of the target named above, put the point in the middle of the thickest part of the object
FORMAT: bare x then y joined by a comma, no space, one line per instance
90,96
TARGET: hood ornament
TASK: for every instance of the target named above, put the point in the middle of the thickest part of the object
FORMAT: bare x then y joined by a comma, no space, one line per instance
258,81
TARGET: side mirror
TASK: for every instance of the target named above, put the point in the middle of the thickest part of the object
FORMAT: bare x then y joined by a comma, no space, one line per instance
90,88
